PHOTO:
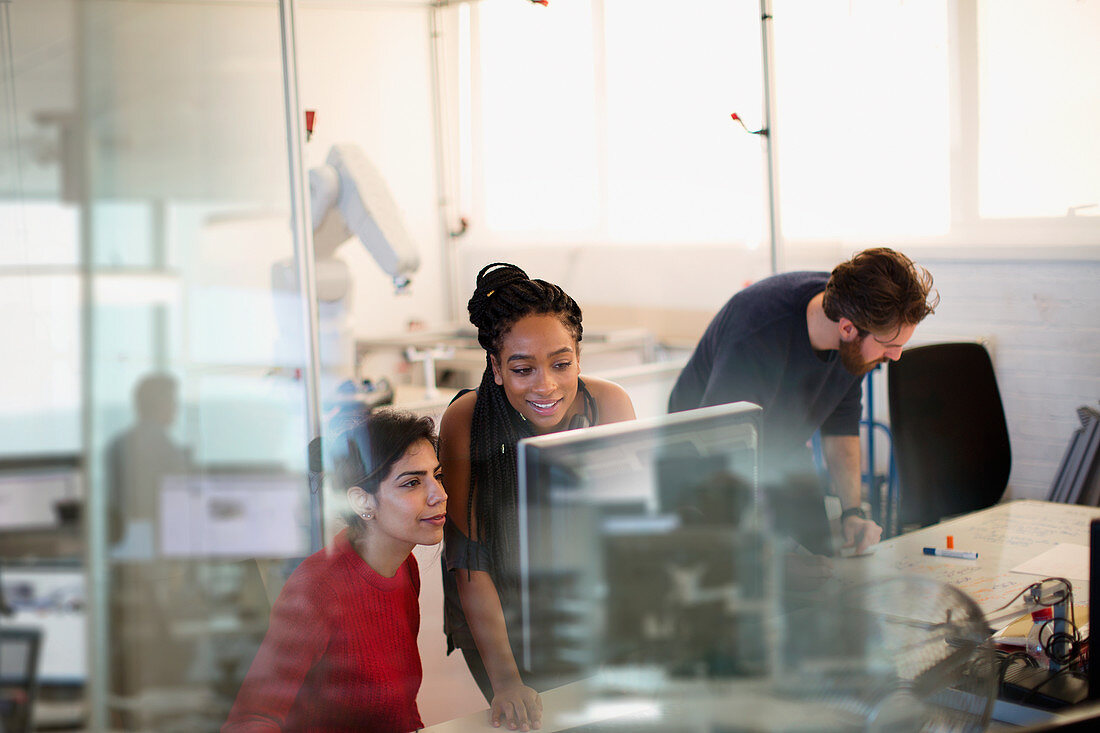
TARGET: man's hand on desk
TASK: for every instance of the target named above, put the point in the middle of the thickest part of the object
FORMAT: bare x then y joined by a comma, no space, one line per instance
517,707
860,533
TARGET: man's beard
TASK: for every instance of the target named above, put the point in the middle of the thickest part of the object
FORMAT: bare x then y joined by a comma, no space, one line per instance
851,356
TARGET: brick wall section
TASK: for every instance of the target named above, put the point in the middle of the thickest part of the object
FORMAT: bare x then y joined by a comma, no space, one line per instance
1043,319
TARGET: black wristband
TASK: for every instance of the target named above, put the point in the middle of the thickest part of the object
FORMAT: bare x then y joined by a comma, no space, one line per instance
854,511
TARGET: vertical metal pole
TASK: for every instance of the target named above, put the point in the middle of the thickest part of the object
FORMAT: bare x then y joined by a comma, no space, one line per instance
869,478
97,572
444,184
962,44
302,225
769,135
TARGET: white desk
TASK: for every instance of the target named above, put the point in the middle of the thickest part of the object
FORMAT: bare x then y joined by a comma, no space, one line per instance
1003,536
683,707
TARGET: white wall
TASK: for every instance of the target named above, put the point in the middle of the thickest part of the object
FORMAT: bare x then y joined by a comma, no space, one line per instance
681,276
365,69
1044,320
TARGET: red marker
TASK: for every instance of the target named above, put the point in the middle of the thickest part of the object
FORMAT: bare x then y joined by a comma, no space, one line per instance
311,115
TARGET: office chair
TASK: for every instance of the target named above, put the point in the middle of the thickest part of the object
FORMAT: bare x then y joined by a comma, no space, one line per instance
18,678
950,437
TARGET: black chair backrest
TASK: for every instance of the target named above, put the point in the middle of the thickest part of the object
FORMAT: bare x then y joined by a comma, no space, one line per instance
18,677
949,432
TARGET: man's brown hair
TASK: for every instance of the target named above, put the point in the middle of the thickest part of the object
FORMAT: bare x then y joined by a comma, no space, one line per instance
879,290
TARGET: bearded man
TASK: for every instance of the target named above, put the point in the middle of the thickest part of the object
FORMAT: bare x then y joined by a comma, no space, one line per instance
798,345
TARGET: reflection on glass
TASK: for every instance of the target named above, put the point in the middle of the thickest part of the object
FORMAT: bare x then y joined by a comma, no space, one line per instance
148,161
205,486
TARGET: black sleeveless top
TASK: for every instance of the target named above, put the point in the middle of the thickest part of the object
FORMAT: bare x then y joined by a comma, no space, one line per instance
462,553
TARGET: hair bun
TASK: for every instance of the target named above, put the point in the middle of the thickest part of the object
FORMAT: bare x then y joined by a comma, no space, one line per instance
496,275
493,277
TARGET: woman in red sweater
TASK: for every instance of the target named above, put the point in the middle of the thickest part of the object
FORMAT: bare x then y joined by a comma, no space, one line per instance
340,653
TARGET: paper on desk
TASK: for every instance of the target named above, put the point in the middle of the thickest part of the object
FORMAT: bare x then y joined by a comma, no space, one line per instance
1061,561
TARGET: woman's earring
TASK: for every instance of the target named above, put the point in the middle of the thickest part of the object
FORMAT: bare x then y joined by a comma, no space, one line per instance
368,515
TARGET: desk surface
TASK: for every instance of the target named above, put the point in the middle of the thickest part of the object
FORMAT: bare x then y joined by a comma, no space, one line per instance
1003,536
682,707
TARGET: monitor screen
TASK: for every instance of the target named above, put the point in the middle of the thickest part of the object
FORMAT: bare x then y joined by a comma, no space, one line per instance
639,545
30,491
233,515
52,599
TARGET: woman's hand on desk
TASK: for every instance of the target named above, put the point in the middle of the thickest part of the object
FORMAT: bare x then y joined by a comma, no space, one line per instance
516,707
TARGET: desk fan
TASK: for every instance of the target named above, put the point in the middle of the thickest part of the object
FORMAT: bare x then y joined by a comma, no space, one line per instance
904,654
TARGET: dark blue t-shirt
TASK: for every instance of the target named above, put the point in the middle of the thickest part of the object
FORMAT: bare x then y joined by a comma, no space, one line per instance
758,349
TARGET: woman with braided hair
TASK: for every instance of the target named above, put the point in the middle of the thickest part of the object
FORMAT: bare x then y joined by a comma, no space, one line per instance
531,332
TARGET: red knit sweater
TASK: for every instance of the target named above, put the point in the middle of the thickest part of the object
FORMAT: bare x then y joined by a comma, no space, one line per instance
340,652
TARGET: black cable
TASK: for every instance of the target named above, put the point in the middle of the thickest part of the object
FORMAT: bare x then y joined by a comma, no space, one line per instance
1006,662
1056,641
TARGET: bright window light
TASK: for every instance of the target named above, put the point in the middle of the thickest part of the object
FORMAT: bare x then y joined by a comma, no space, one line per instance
39,233
863,118
611,120
608,120
1039,148
538,117
678,168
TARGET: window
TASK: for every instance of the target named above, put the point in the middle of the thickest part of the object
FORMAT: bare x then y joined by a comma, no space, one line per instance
1038,153
40,299
609,120
863,122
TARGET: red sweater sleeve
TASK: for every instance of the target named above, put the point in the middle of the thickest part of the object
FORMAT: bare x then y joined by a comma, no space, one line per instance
296,638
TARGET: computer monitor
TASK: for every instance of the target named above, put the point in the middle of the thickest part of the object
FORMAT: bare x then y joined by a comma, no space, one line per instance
640,546
229,514
51,599
33,491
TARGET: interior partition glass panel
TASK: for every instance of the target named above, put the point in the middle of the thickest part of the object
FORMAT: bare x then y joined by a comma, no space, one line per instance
166,204
42,588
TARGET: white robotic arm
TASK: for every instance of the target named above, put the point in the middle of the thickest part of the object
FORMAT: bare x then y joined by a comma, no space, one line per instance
348,197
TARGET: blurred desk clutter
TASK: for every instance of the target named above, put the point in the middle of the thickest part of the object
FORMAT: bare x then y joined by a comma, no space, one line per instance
1022,548
426,366
449,356
899,600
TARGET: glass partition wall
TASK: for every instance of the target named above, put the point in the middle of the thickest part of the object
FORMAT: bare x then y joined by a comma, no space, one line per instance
148,213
